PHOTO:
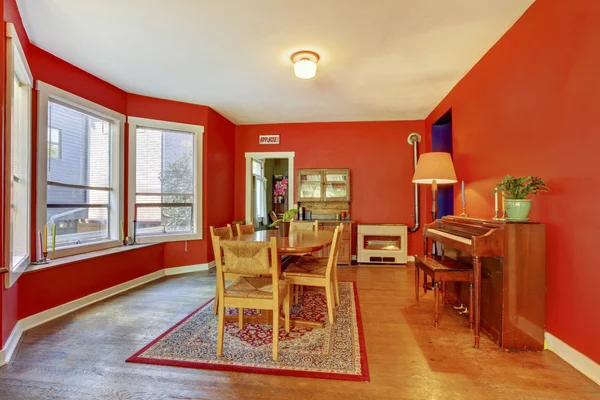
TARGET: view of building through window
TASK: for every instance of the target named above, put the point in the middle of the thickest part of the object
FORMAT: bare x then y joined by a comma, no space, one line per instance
79,173
164,176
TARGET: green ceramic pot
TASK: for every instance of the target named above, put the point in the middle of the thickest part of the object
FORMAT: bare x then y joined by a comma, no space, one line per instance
517,210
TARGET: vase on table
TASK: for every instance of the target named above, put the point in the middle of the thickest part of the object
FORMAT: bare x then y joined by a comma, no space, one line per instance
284,229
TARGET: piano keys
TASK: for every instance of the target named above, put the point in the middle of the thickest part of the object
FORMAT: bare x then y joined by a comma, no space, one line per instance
508,262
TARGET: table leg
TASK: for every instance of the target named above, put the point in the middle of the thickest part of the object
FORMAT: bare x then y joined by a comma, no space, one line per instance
436,298
470,306
477,298
416,283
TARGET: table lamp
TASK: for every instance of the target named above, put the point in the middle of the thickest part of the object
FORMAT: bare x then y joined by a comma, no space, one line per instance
434,168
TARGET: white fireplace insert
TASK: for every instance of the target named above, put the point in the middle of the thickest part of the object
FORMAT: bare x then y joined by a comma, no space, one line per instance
382,243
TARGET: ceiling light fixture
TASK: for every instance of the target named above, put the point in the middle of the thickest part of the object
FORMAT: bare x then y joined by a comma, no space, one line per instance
305,64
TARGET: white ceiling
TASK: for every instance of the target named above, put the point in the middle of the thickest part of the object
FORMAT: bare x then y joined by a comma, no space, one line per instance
380,59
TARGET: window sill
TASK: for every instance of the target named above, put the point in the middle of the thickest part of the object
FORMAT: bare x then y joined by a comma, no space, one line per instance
168,238
82,257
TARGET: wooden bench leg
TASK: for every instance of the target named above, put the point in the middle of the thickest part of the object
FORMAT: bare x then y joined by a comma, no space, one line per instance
470,306
436,298
476,299
417,283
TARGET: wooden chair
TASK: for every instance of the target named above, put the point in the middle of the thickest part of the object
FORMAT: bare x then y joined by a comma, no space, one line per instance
273,218
304,226
224,233
319,274
309,259
245,229
443,269
251,291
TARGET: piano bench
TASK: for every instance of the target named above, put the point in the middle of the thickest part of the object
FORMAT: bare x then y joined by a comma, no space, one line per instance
443,269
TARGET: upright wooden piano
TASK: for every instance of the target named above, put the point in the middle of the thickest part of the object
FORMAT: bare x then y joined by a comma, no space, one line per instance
509,265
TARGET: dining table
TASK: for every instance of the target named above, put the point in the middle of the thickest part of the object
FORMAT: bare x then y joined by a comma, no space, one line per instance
296,243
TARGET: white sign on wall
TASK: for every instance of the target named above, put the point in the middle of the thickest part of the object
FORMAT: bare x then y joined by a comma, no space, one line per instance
268,139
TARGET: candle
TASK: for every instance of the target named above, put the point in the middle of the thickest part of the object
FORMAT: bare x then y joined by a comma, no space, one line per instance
39,246
503,209
53,237
122,231
495,201
464,203
45,242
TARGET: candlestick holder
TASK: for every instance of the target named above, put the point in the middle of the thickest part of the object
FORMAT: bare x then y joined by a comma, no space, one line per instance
504,216
134,232
496,218
464,210
42,261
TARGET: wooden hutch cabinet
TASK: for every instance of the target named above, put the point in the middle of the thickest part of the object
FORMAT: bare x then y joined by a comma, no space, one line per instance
326,193
323,184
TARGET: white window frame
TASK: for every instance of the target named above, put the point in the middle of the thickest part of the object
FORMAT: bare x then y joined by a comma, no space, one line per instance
198,131
117,194
24,73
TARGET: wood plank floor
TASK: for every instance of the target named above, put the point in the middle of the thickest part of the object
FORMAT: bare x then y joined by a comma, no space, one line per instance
82,355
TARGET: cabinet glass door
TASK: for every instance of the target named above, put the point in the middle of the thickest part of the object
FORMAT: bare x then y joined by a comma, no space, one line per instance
310,185
336,185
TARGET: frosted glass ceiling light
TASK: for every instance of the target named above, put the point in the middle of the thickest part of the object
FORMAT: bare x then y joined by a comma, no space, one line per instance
305,64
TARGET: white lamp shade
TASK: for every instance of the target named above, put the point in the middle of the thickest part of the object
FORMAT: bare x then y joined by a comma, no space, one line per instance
435,166
305,69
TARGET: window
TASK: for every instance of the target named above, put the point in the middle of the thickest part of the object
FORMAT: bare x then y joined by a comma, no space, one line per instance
80,194
260,192
164,165
19,83
54,144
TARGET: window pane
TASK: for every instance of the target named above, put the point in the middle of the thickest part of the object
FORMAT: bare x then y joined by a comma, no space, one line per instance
85,147
79,154
162,220
20,175
77,225
165,167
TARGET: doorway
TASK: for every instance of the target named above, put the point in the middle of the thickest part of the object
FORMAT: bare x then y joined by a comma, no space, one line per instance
269,186
441,140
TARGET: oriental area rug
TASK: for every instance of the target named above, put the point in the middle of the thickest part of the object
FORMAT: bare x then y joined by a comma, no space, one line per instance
334,352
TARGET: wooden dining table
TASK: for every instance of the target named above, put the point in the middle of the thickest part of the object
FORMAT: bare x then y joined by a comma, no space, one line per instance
297,243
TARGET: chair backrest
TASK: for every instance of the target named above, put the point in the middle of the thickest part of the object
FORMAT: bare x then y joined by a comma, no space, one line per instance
273,216
248,259
304,226
223,233
245,229
335,249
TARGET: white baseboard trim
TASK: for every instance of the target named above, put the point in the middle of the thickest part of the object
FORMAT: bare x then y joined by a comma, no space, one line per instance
354,258
579,361
410,258
40,318
189,268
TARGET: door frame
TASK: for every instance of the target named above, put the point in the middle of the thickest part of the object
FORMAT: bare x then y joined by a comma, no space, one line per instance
267,155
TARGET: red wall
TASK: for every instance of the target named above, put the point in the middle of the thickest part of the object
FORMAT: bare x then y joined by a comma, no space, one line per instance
219,194
377,153
530,106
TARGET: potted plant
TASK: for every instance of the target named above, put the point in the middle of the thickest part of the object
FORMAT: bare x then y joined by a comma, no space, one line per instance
284,223
515,190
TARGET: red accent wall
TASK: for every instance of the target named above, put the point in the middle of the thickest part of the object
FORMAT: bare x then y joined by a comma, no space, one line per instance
530,107
377,153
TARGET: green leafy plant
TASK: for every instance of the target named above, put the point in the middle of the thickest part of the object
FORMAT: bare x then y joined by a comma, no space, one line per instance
287,217
519,188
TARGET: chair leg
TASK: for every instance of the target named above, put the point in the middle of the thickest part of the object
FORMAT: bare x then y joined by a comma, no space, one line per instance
436,301
288,305
276,332
336,286
221,331
217,298
330,300
241,317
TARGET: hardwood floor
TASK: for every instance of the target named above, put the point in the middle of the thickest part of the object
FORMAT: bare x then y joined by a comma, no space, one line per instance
82,355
